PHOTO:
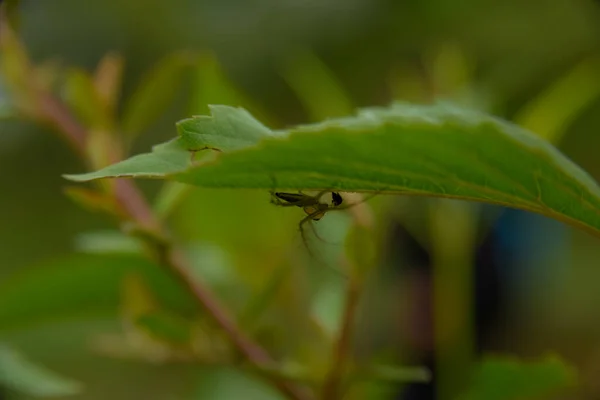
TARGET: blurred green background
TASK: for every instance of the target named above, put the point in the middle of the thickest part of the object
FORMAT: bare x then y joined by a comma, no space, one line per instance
68,281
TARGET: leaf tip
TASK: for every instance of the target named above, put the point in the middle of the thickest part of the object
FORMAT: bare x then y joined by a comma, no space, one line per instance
78,177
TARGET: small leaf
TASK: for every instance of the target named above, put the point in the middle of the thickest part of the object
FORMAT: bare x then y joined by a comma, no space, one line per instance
316,86
550,113
23,376
169,198
107,80
108,242
94,200
510,379
12,12
82,97
17,71
225,130
439,151
166,327
154,93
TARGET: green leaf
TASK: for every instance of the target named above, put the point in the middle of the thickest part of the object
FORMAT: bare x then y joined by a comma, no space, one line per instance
316,86
165,326
107,242
556,108
154,93
83,98
82,285
227,129
508,379
228,383
23,376
166,158
435,150
12,12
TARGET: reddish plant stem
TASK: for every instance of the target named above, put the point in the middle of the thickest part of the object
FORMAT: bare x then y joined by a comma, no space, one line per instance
56,114
128,195
341,352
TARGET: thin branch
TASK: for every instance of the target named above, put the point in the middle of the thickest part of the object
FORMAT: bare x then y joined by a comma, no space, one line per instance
54,112
341,352
138,209
251,350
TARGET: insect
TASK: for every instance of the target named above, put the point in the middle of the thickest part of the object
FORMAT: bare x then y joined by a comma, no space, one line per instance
313,206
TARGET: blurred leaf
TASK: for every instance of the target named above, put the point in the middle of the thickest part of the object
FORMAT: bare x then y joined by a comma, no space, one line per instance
164,326
228,383
361,250
316,86
258,304
511,379
170,196
138,299
154,93
48,74
550,113
104,242
213,86
23,376
11,10
391,373
94,200
107,80
82,97
16,71
439,151
450,69
146,322
82,285
7,109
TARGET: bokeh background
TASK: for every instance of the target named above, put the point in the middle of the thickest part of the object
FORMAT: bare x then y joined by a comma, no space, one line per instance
69,281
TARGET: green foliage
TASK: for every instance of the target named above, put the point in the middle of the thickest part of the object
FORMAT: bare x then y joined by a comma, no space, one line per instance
155,91
506,378
85,101
228,383
316,86
227,129
439,150
81,285
22,376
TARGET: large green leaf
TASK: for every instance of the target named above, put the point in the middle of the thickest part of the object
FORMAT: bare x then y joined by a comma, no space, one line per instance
438,150
511,379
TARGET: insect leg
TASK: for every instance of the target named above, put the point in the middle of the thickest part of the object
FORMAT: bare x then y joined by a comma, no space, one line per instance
364,200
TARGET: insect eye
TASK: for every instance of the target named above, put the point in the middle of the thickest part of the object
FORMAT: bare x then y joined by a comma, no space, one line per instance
336,199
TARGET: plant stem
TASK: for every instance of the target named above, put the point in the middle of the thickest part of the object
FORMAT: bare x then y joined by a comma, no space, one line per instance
139,211
332,387
453,234
55,113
